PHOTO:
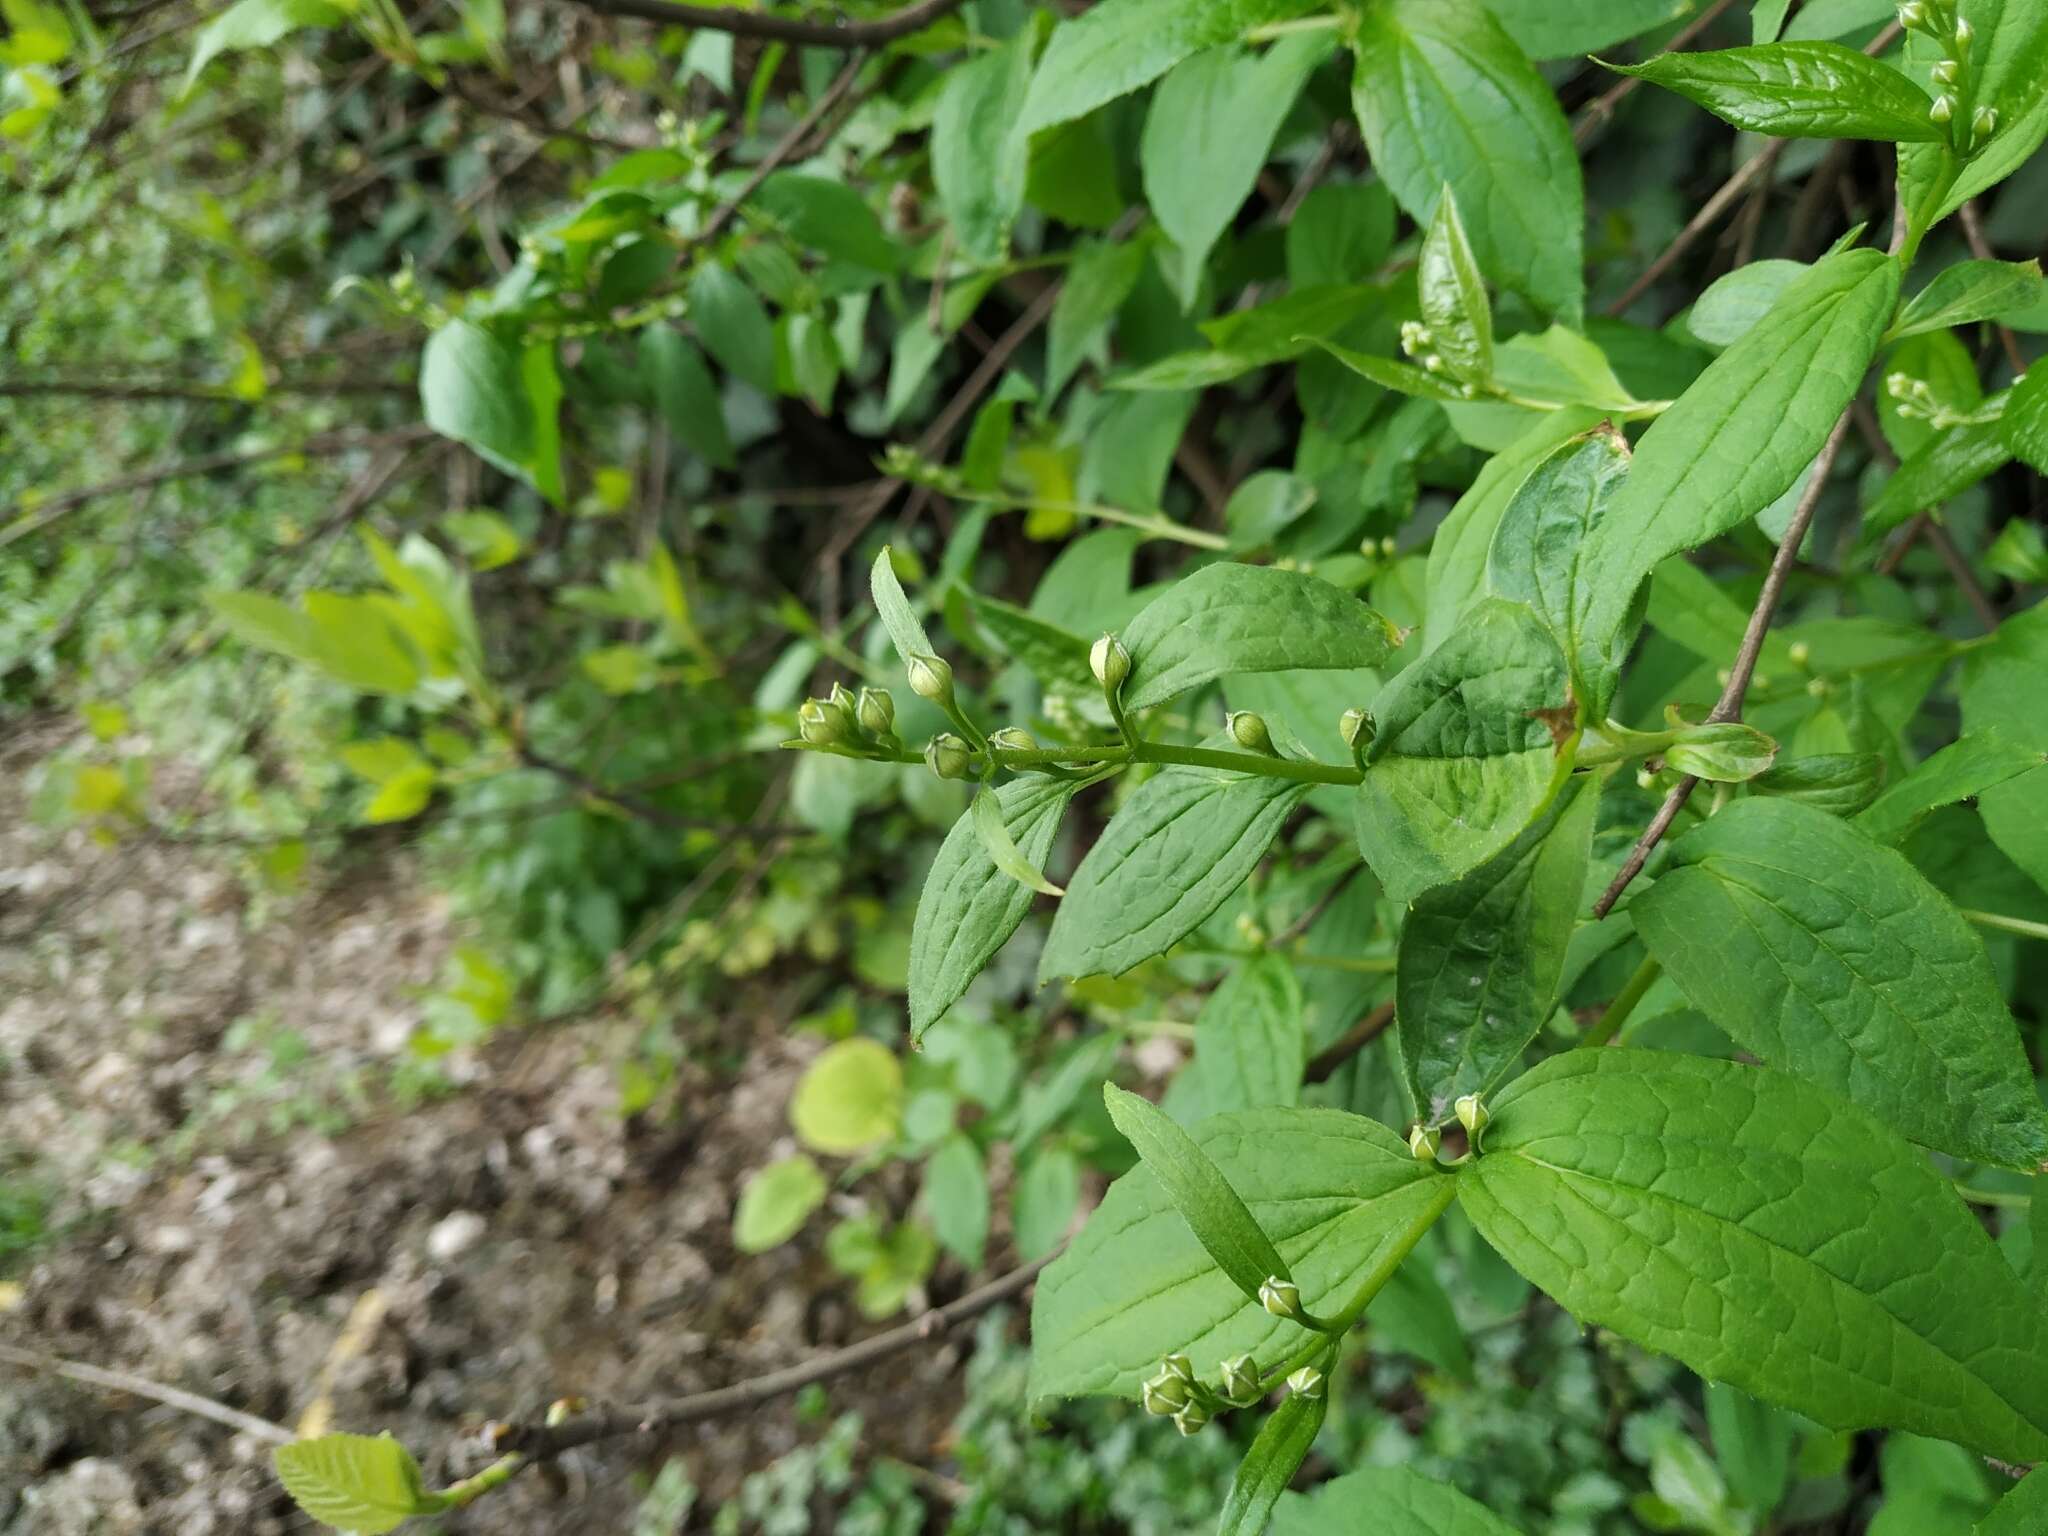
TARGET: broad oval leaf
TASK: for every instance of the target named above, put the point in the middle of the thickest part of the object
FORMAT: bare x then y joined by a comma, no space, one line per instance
364,1483
1444,96
978,165
1340,1197
1230,618
849,1099
1745,430
969,908
470,390
1470,744
1768,1235
686,394
1831,956
1802,90
1389,1499
1250,1044
775,1202
1480,958
1180,845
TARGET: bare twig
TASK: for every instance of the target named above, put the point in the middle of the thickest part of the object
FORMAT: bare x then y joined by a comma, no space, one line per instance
1973,233
538,1442
784,29
140,1386
1757,165
1729,706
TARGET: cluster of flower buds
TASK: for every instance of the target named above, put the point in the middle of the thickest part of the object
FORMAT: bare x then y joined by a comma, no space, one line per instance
1940,21
847,720
1916,400
1172,1392
1419,342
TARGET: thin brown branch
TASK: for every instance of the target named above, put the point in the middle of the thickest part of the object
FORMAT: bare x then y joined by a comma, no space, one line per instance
141,1386
51,508
538,1442
1710,212
1925,525
1729,706
1598,112
1324,1064
783,29
1973,234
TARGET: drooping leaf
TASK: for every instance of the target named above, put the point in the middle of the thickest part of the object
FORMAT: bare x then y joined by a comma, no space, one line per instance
991,828
731,321
470,390
1277,1453
1230,618
969,908
1386,1499
1339,1196
1480,958
1179,846
1733,303
1250,1046
1745,430
1832,957
1799,90
1114,48
1445,97
1099,279
1540,545
364,1483
1767,1234
1468,748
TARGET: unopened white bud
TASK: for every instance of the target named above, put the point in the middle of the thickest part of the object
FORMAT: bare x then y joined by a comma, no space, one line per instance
1013,738
1308,1382
1110,663
1280,1297
931,678
1943,110
1423,1142
1472,1114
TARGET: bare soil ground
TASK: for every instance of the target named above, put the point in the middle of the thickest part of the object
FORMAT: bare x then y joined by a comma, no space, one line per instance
226,1197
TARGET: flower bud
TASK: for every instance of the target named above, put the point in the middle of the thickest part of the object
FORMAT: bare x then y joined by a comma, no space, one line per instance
1355,726
1164,1392
1945,72
947,756
876,710
1110,662
1191,1418
1308,1382
1432,362
1800,653
1240,1378
1473,1115
1249,731
1913,15
1984,122
1280,1297
1423,1142
1180,1367
1963,33
931,678
1943,110
820,724
1013,738
1727,753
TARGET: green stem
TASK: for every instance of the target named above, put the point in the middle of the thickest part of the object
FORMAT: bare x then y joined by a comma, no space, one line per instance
1624,1003
1273,29
2026,928
1294,769
1157,527
455,1495
1993,1197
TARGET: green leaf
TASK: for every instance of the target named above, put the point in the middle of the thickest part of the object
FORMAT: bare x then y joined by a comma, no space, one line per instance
978,165
1207,135
1444,96
1803,90
2001,689
471,390
1404,378
1753,1443
1386,1499
1338,1195
1250,1043
1968,292
258,24
1265,503
956,1199
362,1483
269,624
1546,30
1179,846
849,1099
354,643
1099,279
898,617
1981,760
1479,959
1458,554
1113,48
2024,427
1767,1234
1732,304
775,1202
1043,1201
1342,233
2023,1511
828,217
1466,753
1229,618
1054,655
969,908
1951,461
987,812
1453,296
686,394
1199,1191
1831,956
2009,65
1276,1454
734,327
1541,542
1745,430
